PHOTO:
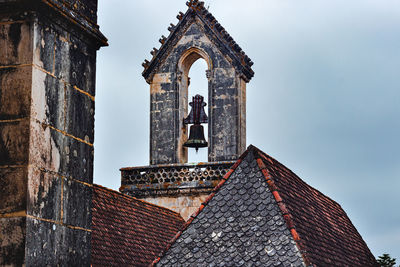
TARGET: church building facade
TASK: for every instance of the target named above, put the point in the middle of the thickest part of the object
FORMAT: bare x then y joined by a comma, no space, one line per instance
240,208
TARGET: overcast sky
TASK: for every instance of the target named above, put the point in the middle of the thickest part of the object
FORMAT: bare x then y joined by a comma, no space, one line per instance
324,101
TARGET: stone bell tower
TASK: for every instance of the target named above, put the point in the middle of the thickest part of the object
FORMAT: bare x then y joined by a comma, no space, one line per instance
197,35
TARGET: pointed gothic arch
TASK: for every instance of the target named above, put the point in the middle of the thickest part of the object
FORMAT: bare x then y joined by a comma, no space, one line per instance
186,61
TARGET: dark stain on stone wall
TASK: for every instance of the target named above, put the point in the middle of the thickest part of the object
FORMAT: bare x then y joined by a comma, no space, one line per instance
15,36
13,190
13,231
47,196
64,246
14,143
4,155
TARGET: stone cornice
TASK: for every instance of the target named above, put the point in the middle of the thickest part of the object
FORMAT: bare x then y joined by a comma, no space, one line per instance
61,13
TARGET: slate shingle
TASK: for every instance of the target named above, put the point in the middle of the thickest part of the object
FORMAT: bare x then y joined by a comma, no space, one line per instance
234,228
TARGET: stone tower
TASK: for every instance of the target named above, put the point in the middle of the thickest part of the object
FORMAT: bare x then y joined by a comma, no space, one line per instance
169,181
47,89
197,35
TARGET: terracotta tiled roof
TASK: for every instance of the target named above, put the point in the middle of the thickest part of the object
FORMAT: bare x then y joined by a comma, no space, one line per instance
262,214
326,236
196,8
127,231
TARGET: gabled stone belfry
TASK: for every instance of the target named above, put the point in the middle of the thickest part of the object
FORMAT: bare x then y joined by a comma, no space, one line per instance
169,181
197,35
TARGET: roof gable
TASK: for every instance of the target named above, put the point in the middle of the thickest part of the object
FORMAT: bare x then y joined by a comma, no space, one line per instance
213,30
259,189
128,231
326,236
240,225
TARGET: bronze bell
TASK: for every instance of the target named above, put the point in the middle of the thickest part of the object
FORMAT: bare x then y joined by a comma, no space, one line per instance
196,137
196,117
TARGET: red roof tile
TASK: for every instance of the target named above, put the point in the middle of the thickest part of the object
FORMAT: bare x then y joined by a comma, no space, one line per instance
127,231
326,235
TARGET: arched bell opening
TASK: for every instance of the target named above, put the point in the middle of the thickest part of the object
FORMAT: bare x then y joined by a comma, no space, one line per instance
193,67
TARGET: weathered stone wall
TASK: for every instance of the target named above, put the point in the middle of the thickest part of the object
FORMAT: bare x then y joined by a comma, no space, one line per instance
47,88
15,88
180,187
169,87
185,205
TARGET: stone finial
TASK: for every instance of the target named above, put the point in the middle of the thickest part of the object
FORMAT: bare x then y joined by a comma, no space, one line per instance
162,39
146,63
171,27
180,16
195,4
154,51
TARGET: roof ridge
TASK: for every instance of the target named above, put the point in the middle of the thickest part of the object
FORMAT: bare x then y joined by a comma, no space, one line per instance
105,189
281,204
198,6
196,213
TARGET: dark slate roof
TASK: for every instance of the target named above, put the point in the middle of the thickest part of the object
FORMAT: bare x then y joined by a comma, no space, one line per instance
196,8
262,214
127,231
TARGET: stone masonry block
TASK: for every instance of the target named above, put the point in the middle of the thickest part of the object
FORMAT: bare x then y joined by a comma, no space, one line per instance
77,158
48,99
80,70
77,202
60,153
13,189
39,109
44,195
14,142
43,47
12,240
15,43
56,245
15,92
82,67
80,115
47,154
62,48
55,102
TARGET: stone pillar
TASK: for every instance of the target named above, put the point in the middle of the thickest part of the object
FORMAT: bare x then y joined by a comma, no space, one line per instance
227,115
47,87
